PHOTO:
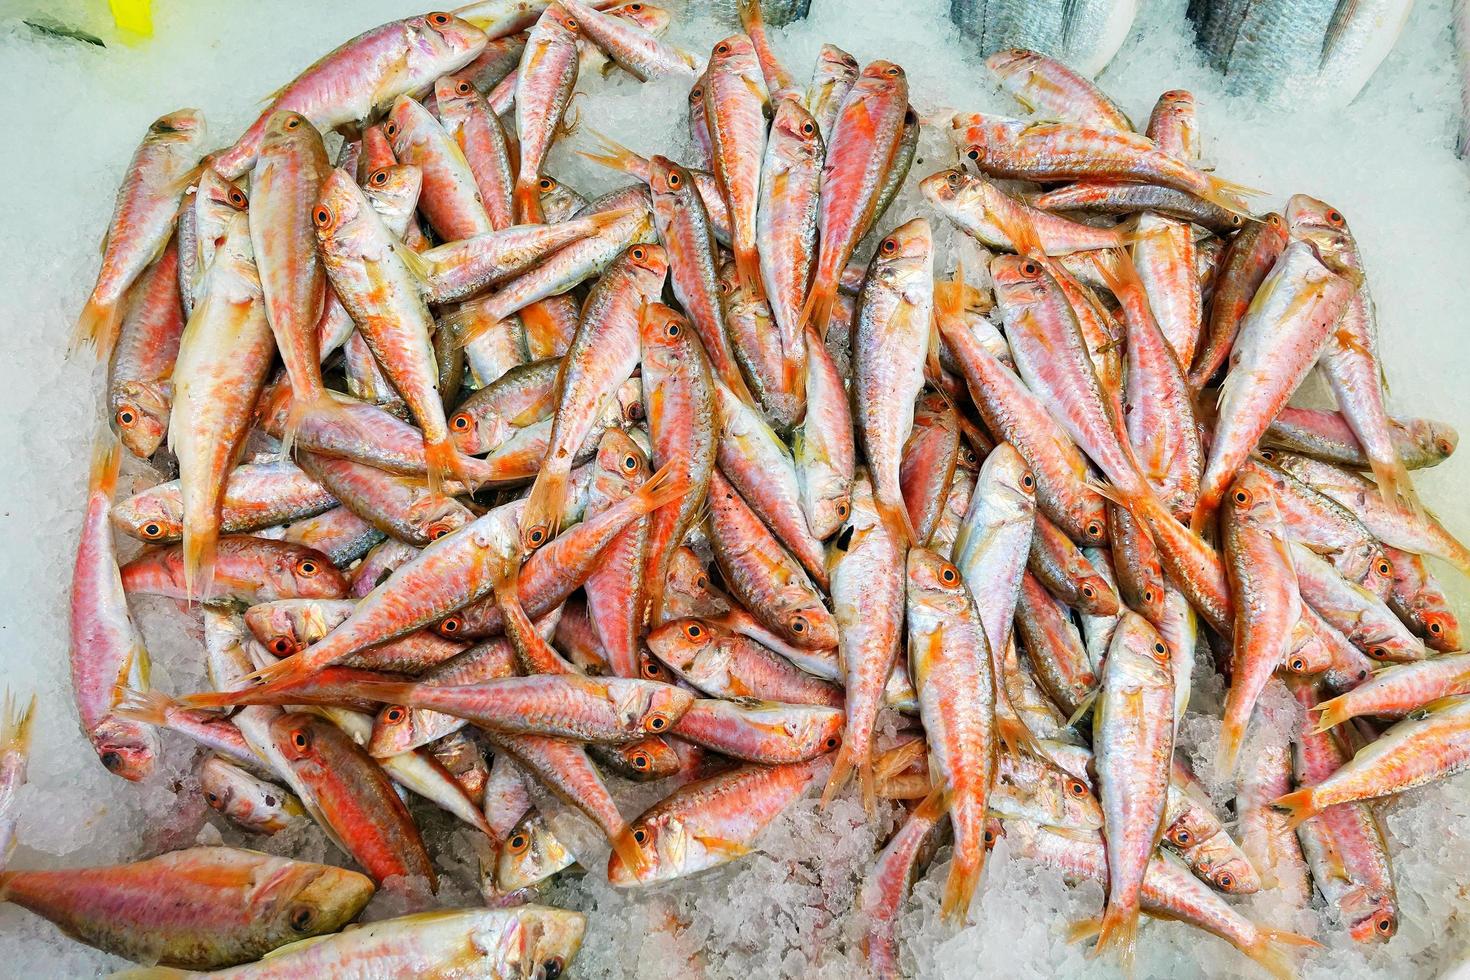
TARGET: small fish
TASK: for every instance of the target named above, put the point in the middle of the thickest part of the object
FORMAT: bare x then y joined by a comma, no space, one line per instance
1398,691
724,664
15,751
985,213
1420,602
256,495
476,130
887,884
247,569
769,732
833,77
1353,610
736,103
139,379
637,51
1325,435
142,219
1248,260
786,224
249,802
1058,92
531,855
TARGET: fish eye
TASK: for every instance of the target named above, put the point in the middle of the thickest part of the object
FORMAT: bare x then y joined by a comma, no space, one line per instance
237,197
322,216
650,670
390,129
696,93
1148,595
152,530
1029,482
300,739
1242,497
672,329
461,421
395,714
552,969
1029,269
1385,924
832,742
126,417
1236,220
1094,529
437,530
973,153
111,761
546,184
517,843
1378,653
1159,649
640,836
1435,628
301,918
537,535
630,464
724,287
463,88
280,646
889,246
451,626
570,23
638,252
635,411
307,567
693,630
892,71
635,7
675,180
722,48
294,122
1268,455
955,178
1297,665
701,581
948,574
843,509
439,19
657,722
378,178
798,624
212,798
989,836
1225,880
1274,219
1181,837
1384,568
1088,591
1334,218
640,761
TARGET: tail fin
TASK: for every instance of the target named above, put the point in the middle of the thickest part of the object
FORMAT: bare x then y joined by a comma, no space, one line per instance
1227,194
98,326
545,505
665,486
1204,510
1268,950
1332,713
616,156
964,879
148,707
105,463
527,200
1119,928
1299,806
199,551
748,271
1009,726
441,461
816,312
842,769
1232,734
321,406
15,726
1116,271
896,519
1395,486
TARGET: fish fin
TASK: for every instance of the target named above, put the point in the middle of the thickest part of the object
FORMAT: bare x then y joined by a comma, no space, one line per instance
896,519
1011,729
614,155
933,806
1232,734
214,699
843,767
465,324
97,326
817,310
545,504
1395,486
527,200
1116,271
1228,194
964,878
665,486
148,707
199,552
416,264
1072,833
1083,708
629,852
1299,806
441,461
731,849
748,271
1083,930
106,461
1269,950
1204,510
1332,713
298,410
1119,928
15,725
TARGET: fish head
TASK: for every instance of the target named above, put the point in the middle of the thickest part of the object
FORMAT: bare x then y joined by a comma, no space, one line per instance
679,643
883,71
1137,653
445,41
1443,437
662,843
274,626
950,190
126,748
305,573
663,334
303,899
296,734
736,53
690,583
396,729
1020,281
1251,500
1228,870
808,624
649,668
977,134
648,758
218,197
935,583
647,263
454,95
1010,62
150,515
660,705
394,191
1324,227
405,124
906,251
796,127
474,432
558,201
546,939
530,855
1006,471
670,180
344,220
286,131
182,126
1390,643
621,465
1370,915
434,515
1443,627
833,61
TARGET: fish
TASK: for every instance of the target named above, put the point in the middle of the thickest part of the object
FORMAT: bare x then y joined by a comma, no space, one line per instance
1350,359
862,143
204,216
164,164
983,211
769,732
710,822
1065,571
476,130
543,89
1244,266
637,51
736,103
256,495
786,224
1164,248
248,802
1263,580
1420,602
363,75
1398,691
949,660
531,855
725,664
1354,611
199,908
247,569
883,891
1325,435
357,799
1133,734
107,651
868,606
890,343
833,76
402,507
139,377
614,590
1123,199
1280,338
1270,844
824,448
1344,846
1043,84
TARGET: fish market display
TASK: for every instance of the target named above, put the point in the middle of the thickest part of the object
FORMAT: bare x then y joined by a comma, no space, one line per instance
615,533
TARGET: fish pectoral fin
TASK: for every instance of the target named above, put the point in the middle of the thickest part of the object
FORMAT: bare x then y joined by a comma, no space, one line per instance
730,849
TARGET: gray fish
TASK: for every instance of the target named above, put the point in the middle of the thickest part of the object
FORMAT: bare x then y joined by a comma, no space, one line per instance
1085,34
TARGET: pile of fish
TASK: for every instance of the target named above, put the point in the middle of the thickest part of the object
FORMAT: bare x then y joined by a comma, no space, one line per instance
501,498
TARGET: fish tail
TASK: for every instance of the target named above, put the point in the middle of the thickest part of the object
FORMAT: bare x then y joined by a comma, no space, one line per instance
299,409
15,726
216,699
1204,510
843,766
106,461
465,325
1232,733
441,461
964,879
1011,729
1116,271
1271,950
286,671
1227,194
895,517
544,505
199,550
1394,484
614,155
1332,713
98,326
817,310
527,200
670,483
629,852
751,20
1299,806
148,707
748,270
1119,928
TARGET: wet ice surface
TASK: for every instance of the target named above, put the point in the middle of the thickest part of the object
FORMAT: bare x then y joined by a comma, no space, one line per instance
1386,162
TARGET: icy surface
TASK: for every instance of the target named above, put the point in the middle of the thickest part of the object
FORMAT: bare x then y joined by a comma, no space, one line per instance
78,111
